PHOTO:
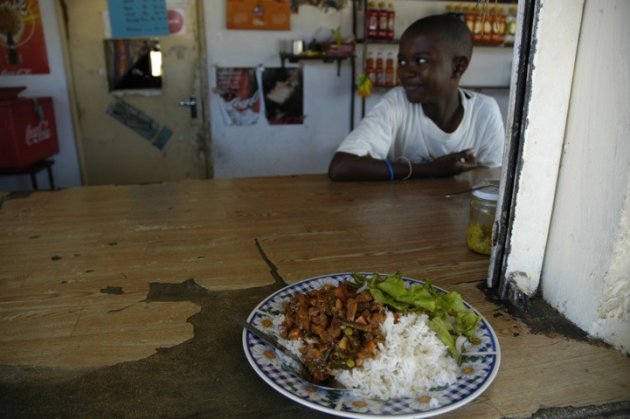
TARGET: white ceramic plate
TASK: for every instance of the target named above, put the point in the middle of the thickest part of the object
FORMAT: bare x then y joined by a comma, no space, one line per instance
477,372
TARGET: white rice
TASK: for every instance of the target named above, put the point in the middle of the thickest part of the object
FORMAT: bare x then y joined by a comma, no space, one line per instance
412,361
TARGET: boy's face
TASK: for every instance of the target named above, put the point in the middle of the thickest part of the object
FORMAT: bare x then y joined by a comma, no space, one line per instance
426,68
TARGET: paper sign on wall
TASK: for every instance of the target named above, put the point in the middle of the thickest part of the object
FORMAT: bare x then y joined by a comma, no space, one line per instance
130,18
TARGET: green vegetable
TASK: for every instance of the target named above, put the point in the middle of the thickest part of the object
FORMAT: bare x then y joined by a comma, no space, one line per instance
448,315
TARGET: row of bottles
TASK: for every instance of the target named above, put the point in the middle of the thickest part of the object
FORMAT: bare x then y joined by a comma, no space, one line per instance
380,21
381,69
489,24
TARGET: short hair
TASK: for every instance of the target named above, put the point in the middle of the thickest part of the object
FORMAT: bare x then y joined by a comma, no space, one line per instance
449,28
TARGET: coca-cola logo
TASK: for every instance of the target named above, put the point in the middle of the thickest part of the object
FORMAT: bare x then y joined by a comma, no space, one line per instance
243,104
37,133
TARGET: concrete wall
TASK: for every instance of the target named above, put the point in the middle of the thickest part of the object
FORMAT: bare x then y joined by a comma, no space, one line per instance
586,273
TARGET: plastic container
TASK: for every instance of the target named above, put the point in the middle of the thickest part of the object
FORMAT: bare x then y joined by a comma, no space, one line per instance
483,204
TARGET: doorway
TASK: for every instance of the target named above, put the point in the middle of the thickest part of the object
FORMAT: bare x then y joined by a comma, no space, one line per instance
139,100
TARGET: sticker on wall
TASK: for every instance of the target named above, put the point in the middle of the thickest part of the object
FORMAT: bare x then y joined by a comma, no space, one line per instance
22,44
239,94
176,21
259,14
283,91
136,120
138,18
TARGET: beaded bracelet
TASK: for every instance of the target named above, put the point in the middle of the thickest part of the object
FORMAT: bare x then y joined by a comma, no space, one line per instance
390,169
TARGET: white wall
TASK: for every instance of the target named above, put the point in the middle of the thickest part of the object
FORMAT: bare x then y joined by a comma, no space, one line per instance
263,150
586,273
66,169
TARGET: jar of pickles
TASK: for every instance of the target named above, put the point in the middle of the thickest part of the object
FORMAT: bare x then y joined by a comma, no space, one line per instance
483,204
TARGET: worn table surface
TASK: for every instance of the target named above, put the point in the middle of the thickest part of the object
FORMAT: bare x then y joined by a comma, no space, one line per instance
115,300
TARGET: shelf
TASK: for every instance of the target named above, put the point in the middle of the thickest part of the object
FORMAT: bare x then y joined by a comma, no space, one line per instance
395,42
379,41
293,58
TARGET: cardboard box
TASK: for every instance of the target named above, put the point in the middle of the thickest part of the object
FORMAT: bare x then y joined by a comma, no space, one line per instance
28,132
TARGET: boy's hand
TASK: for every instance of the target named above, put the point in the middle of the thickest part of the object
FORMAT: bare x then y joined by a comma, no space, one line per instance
453,163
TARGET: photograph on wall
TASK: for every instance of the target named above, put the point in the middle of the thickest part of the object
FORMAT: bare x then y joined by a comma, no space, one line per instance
283,91
259,14
238,89
22,44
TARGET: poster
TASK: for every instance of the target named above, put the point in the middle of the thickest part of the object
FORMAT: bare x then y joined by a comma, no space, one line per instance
239,95
283,91
259,14
22,44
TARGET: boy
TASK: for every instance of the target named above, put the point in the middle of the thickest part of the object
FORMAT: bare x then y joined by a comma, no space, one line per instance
428,126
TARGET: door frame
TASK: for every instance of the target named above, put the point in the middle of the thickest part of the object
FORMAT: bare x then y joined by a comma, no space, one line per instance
542,73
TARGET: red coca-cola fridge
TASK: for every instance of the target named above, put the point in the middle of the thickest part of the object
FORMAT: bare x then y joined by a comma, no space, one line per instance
28,132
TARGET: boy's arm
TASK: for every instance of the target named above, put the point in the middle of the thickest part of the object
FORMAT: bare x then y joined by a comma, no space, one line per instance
347,167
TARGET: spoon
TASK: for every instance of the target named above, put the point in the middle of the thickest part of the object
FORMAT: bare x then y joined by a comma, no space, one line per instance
298,365
474,188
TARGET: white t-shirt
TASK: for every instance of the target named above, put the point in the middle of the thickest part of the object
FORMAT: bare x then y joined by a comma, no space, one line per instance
396,127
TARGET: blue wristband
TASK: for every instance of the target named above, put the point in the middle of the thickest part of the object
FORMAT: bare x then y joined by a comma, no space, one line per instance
390,169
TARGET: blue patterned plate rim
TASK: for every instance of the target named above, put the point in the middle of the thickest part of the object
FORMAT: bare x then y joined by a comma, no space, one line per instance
480,370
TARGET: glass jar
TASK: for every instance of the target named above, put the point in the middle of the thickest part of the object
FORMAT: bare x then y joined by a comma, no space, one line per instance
483,204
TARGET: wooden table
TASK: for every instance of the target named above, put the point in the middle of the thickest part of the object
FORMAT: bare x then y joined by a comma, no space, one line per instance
115,301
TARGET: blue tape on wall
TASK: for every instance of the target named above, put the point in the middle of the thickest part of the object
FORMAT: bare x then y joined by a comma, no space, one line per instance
141,123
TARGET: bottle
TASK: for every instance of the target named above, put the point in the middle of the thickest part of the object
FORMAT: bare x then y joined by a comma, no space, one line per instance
382,21
469,17
379,70
510,26
372,20
389,70
477,33
370,68
498,26
483,204
391,21
488,21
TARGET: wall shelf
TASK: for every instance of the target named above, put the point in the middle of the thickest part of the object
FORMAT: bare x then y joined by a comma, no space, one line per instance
293,58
